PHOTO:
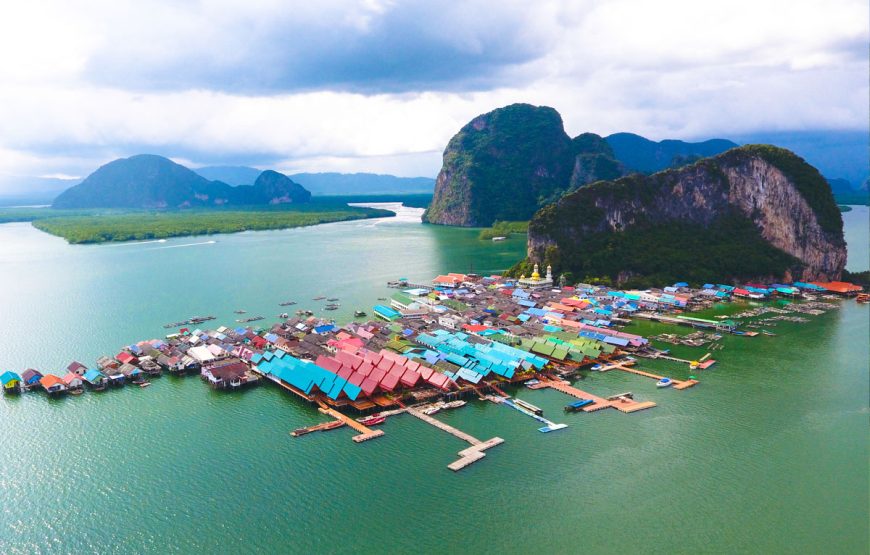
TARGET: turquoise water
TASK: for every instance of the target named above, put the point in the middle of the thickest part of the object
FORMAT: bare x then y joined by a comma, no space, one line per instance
768,454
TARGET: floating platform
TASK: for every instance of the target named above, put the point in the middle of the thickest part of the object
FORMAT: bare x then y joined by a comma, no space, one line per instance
678,384
620,403
549,426
466,456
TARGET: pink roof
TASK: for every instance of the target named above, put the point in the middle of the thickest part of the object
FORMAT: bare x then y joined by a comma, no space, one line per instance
389,382
328,363
346,358
377,375
356,378
437,379
71,377
426,372
368,386
385,364
365,368
373,357
410,378
345,372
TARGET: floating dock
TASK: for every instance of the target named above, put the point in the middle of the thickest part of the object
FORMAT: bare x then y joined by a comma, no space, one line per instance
678,384
620,403
549,426
466,456
365,433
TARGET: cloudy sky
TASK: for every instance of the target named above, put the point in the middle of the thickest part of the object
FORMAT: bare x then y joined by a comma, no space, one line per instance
381,85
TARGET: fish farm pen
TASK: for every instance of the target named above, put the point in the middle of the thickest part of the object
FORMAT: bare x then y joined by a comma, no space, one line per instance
434,344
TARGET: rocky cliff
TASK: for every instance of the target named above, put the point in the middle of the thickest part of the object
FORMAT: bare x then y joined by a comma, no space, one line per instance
507,163
754,212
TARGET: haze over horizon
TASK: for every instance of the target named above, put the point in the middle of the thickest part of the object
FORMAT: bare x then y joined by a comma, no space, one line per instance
381,86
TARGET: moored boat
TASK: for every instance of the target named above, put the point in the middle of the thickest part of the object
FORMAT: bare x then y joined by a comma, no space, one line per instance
453,404
529,407
372,420
664,382
577,405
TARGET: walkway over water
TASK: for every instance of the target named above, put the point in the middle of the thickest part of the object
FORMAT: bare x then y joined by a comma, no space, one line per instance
466,456
678,384
620,403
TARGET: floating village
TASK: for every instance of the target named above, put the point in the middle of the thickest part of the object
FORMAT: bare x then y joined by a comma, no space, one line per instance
432,347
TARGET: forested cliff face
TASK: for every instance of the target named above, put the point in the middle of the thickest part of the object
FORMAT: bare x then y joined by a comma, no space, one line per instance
754,212
506,164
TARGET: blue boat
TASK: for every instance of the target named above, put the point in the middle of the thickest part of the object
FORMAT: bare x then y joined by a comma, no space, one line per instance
577,405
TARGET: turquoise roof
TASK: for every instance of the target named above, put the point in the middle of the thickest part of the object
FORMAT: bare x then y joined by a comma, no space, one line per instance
305,376
9,377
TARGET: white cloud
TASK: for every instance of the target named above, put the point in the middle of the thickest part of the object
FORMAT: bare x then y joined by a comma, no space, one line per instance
676,68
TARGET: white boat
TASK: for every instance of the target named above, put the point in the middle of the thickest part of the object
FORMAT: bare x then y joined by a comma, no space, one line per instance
429,411
453,404
664,382
499,238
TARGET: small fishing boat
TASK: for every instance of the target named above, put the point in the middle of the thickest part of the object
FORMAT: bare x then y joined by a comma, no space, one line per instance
360,314
453,405
283,316
331,307
863,298
499,238
320,298
532,382
332,299
431,410
664,382
240,311
770,333
144,384
287,303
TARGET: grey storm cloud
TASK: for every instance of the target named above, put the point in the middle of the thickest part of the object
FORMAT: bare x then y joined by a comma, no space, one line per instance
403,47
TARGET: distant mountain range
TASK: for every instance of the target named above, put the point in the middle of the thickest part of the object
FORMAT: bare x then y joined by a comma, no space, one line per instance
643,155
839,155
150,181
329,183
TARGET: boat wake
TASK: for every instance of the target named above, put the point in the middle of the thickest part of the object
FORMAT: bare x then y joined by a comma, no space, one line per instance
125,244
185,245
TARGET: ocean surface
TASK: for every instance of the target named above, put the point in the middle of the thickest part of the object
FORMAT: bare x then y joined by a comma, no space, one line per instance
767,455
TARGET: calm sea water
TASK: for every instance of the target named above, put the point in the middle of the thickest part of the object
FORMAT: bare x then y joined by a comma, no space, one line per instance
767,455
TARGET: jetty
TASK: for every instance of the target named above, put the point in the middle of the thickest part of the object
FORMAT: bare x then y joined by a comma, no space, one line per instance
549,426
365,433
623,403
678,384
466,456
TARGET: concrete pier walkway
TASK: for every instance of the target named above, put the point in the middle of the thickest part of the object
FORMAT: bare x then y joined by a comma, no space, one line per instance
466,456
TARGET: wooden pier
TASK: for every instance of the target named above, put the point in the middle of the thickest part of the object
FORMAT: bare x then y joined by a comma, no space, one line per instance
678,384
365,433
621,404
466,456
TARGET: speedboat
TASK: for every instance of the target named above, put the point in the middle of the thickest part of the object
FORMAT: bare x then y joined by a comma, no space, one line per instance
664,382
453,404
372,420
